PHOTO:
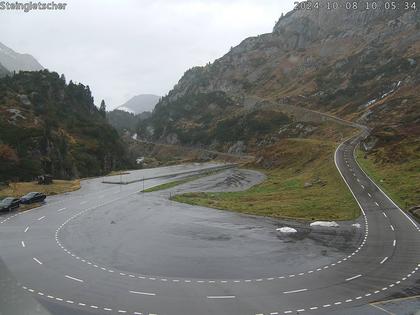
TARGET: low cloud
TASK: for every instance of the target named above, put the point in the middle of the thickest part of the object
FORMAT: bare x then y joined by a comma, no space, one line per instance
125,48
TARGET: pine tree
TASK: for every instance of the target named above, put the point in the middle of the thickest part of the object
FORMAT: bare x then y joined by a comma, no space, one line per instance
102,109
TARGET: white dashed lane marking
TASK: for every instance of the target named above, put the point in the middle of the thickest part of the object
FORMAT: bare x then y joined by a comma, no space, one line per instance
23,244
392,227
394,243
295,291
377,204
352,278
62,209
41,218
74,279
384,260
26,230
143,293
191,281
37,260
384,214
222,297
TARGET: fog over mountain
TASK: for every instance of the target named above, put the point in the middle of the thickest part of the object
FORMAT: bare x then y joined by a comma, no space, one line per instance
153,42
140,103
14,61
3,71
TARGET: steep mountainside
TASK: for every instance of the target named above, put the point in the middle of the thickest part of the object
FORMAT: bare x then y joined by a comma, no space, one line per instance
3,71
362,65
140,103
48,126
14,61
122,120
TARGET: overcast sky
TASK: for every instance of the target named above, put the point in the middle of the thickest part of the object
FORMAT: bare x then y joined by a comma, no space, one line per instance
124,48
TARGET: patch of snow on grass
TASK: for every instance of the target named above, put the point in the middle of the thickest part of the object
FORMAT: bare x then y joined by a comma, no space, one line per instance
286,229
325,223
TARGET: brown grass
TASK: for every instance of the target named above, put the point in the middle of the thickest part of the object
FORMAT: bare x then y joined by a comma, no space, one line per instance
22,188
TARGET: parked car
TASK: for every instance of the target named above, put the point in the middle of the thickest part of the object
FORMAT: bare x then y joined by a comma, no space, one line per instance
9,204
33,197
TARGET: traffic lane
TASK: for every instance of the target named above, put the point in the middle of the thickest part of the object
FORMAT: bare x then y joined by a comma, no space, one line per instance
93,189
186,241
74,201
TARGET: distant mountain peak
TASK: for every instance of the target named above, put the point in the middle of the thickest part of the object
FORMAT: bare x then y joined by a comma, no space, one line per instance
14,61
140,103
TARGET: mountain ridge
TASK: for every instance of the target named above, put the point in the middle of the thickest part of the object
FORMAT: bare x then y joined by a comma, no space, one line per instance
15,62
359,66
140,103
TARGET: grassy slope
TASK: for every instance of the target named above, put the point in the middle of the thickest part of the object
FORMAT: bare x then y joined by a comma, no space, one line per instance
400,181
22,188
283,195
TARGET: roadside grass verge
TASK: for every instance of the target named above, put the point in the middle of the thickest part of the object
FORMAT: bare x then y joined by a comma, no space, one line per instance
22,188
302,183
399,180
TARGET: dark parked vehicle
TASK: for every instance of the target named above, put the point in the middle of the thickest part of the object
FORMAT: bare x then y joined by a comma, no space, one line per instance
33,197
9,204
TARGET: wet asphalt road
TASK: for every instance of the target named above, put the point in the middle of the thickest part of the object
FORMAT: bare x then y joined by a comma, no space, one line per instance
107,249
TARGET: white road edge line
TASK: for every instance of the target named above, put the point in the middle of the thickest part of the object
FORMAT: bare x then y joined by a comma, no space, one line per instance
143,293
405,214
221,297
352,278
75,279
37,260
295,291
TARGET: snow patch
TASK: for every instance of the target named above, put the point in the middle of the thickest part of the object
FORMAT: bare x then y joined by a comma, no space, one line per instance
394,88
286,229
325,223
